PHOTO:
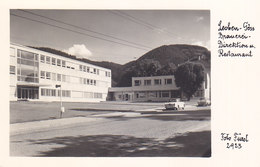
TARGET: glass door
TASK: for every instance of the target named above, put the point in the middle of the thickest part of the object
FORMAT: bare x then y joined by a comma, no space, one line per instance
24,93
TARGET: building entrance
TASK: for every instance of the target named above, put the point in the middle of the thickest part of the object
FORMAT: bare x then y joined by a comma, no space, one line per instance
24,93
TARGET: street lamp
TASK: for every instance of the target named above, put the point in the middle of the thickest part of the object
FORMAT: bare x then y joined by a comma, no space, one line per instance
62,109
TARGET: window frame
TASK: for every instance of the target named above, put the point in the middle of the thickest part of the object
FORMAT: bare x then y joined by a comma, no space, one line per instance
137,82
12,70
48,60
159,83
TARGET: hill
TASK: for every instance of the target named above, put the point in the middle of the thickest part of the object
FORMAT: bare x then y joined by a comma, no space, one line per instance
163,61
159,61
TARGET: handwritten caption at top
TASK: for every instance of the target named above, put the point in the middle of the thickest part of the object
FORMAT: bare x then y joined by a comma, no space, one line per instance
235,41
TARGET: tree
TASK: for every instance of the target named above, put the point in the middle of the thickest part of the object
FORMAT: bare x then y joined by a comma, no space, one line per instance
189,77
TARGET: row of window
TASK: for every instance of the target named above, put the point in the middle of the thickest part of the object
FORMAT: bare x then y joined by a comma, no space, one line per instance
62,63
82,94
68,93
54,61
148,82
54,92
54,76
88,81
29,58
87,69
158,94
65,78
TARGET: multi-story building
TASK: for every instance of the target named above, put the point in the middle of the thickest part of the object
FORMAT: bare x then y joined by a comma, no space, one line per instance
42,76
155,88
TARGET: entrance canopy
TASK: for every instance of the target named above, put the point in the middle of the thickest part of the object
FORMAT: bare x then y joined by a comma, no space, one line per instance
33,84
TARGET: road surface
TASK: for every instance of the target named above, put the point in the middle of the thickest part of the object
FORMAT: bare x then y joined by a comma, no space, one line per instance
116,134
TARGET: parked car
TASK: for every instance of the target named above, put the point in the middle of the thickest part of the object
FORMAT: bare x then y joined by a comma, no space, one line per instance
174,104
203,102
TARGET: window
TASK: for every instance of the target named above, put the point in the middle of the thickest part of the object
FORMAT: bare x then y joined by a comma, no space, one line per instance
98,95
48,92
42,58
53,61
58,62
12,70
95,82
88,81
36,57
147,82
53,76
48,75
48,60
84,68
159,94
157,82
53,92
26,62
65,93
165,94
43,74
137,82
28,66
63,78
26,55
18,71
97,71
63,63
168,81
80,68
58,77
107,74
43,92
87,69
91,82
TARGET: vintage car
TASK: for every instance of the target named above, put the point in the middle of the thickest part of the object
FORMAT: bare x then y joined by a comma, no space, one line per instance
203,102
174,104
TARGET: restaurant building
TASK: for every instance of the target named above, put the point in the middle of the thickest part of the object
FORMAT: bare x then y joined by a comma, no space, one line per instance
155,88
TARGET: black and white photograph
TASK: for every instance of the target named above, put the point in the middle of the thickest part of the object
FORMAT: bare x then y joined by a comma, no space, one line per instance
110,83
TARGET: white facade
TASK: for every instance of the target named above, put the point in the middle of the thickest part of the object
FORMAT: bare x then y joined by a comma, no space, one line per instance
34,75
155,88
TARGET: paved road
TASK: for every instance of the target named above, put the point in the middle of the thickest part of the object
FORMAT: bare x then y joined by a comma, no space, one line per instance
36,111
116,134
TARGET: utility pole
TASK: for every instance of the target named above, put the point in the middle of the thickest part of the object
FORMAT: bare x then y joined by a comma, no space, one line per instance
62,109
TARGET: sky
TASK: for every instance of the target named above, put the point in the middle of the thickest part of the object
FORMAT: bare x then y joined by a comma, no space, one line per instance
117,36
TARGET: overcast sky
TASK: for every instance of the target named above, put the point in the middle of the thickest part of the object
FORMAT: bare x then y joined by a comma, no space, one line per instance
104,35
